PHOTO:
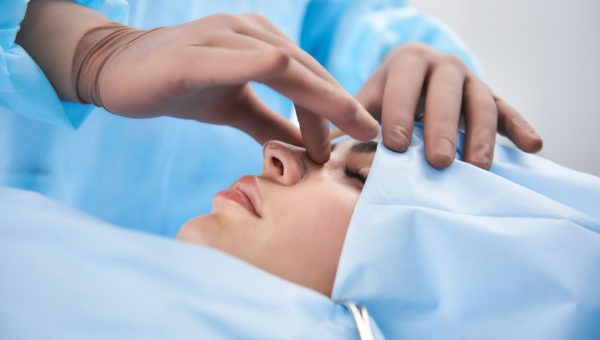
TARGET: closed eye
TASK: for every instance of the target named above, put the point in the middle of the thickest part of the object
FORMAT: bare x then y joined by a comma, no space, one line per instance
354,173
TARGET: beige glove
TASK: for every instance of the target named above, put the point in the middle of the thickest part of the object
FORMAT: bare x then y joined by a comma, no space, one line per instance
415,77
199,70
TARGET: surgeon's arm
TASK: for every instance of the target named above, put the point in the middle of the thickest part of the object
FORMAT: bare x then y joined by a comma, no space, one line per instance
50,33
199,70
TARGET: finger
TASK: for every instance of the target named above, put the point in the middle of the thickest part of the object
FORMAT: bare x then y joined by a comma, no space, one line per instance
370,95
263,29
263,22
310,86
335,133
442,110
481,118
264,124
512,125
324,99
215,66
269,65
315,135
400,100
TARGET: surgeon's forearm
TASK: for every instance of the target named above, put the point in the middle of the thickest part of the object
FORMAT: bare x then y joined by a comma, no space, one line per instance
51,32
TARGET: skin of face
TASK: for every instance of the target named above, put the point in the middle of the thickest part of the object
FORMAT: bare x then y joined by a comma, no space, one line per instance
292,219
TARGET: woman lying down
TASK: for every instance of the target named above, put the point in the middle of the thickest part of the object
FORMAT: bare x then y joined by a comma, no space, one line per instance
290,220
460,253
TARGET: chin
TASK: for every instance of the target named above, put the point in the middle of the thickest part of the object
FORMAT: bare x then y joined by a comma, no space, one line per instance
195,229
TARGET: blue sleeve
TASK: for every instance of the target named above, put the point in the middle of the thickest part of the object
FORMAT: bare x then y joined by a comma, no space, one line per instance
350,38
24,89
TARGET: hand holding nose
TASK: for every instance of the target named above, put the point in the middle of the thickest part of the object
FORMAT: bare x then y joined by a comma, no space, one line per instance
198,70
284,163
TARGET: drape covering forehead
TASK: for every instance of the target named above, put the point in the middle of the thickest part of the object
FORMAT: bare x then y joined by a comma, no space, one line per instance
462,253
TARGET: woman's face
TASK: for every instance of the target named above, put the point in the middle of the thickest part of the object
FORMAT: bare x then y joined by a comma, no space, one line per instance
292,219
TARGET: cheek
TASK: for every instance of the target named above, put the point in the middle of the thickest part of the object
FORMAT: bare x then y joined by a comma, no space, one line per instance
329,213
312,226
319,208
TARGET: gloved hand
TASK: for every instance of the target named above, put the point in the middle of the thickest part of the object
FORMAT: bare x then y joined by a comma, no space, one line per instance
199,70
415,72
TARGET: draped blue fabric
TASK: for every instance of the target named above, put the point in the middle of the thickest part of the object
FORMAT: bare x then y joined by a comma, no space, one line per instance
459,253
463,253
66,275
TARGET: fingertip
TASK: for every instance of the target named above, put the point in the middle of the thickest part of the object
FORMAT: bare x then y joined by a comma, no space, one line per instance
396,139
440,161
371,130
364,134
528,140
479,148
319,156
533,144
538,144
523,135
443,155
370,124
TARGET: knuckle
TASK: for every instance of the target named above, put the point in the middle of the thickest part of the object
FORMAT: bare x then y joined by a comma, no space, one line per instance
416,48
257,18
278,58
231,21
218,21
453,61
223,18
415,51
228,17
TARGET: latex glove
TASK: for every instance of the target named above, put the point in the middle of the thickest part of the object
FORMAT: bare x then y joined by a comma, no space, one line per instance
415,72
199,70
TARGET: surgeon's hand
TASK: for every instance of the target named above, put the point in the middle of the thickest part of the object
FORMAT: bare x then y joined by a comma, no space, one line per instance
415,72
199,70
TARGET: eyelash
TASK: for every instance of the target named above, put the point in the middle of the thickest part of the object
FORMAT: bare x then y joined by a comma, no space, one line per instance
354,173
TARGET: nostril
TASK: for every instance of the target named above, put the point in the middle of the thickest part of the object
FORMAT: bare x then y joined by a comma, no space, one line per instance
278,164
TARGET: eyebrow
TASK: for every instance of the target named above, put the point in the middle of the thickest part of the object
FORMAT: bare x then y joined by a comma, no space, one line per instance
360,147
364,147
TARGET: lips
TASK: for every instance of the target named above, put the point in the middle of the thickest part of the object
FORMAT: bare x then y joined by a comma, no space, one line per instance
245,192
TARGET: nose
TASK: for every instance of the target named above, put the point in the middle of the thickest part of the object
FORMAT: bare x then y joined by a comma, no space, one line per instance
284,163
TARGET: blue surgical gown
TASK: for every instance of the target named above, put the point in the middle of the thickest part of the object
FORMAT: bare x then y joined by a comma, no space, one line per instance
154,174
